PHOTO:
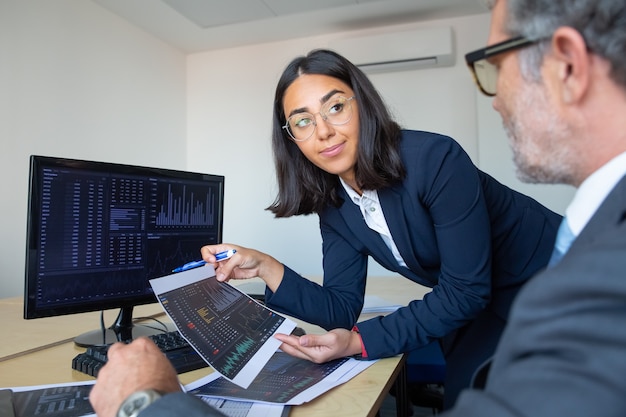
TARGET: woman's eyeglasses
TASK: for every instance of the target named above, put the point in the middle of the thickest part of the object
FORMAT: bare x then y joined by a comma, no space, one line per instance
337,111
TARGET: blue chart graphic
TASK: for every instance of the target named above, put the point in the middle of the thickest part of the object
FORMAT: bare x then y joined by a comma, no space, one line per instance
224,325
282,379
185,206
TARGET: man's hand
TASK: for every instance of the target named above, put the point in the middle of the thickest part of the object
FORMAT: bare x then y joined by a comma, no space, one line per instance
131,367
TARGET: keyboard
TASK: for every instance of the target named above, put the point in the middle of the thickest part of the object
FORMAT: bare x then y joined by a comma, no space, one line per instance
182,356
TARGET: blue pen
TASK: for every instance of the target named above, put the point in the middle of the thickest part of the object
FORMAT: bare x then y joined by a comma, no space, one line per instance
221,256
189,265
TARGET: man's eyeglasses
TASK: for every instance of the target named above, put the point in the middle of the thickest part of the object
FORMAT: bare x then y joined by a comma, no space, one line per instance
484,72
337,111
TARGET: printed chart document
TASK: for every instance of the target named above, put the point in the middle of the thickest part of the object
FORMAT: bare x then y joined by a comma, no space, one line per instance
72,400
284,380
55,400
231,331
234,408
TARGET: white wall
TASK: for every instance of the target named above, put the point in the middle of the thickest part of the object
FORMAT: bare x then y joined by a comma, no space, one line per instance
77,81
230,95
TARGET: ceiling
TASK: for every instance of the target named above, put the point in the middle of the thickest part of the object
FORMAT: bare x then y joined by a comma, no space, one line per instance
202,25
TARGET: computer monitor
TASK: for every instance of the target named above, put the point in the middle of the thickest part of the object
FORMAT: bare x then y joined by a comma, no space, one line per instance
97,232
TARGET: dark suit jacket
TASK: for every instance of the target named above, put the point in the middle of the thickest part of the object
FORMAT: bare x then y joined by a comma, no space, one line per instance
180,405
459,231
564,350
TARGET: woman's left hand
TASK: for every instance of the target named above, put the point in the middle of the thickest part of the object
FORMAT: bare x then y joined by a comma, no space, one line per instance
337,343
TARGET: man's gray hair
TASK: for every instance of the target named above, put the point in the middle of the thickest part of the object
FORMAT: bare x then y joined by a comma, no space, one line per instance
602,23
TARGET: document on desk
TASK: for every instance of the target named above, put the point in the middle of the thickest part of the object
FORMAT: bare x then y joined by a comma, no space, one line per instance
284,380
6,403
55,400
230,330
376,304
72,400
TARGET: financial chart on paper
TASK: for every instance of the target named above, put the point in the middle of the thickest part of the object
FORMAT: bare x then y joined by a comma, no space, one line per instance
221,323
282,379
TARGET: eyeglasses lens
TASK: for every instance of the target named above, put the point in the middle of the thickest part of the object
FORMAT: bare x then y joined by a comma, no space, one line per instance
486,76
337,111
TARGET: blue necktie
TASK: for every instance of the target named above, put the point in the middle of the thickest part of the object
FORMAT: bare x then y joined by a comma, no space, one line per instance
564,239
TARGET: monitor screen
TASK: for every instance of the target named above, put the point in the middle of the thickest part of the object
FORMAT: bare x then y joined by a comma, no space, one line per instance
97,232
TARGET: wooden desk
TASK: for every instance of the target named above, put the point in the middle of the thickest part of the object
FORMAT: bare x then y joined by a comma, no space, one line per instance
40,351
24,336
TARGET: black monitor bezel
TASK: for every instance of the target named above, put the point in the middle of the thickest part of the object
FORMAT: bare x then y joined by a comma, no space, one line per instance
31,309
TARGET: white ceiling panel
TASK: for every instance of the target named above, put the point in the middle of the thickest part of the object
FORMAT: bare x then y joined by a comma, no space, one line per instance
202,25
211,13
290,7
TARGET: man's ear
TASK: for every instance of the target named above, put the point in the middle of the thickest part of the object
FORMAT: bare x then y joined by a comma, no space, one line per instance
571,75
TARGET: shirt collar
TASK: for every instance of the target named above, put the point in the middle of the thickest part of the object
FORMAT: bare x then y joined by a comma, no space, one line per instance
593,191
355,197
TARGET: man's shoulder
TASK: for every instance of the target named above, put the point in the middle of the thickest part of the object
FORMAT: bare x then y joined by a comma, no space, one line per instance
595,266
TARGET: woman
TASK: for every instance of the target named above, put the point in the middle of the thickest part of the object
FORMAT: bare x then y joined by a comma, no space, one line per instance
411,200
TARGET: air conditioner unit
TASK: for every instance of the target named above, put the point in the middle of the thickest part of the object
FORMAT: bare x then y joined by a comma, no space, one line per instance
421,48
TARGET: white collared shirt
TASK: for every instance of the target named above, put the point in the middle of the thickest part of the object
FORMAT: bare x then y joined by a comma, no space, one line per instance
593,191
374,217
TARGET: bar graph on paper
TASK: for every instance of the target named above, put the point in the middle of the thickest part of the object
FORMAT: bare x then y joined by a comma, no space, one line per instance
231,331
221,323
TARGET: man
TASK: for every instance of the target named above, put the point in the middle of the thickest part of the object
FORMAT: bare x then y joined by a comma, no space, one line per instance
562,96
139,379
558,79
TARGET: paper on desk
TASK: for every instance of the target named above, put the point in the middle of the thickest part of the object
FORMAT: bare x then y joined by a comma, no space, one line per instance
245,408
230,330
376,304
71,399
284,380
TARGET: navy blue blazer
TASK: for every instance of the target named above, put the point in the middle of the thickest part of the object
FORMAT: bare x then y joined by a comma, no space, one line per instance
459,231
564,350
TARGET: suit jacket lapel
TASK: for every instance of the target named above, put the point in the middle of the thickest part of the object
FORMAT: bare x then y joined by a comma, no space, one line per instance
611,212
354,219
393,207
371,239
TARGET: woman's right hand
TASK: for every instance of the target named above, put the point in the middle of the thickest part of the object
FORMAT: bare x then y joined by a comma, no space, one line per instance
245,263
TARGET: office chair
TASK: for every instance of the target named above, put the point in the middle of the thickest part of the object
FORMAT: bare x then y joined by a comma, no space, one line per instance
425,373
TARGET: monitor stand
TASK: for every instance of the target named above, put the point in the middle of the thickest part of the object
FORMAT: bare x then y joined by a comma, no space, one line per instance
123,330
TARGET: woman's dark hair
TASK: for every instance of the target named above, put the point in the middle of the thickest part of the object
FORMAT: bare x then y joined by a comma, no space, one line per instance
303,188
